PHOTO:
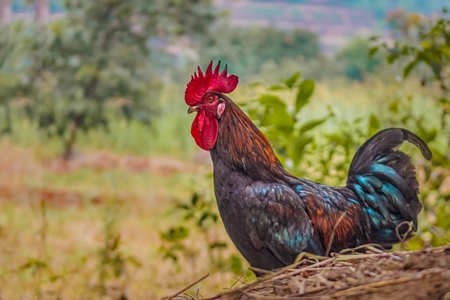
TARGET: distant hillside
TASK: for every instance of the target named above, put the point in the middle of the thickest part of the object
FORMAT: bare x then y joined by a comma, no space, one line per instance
20,6
378,8
334,20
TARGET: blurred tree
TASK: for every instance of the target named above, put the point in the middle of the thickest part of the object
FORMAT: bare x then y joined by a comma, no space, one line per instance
99,52
10,34
431,47
250,47
357,61
404,25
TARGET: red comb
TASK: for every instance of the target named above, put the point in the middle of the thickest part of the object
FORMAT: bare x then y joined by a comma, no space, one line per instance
210,81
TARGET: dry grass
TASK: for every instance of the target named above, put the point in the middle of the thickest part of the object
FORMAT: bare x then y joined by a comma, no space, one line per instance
52,219
374,275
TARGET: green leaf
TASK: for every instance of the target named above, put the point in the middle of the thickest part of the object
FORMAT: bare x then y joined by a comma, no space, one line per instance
276,88
194,199
292,80
256,84
235,264
391,58
298,147
427,135
374,125
426,45
443,100
394,106
272,101
311,124
220,245
405,119
202,219
115,243
276,113
175,234
372,51
306,89
405,50
33,263
281,119
409,67
214,217
182,206
445,50
134,261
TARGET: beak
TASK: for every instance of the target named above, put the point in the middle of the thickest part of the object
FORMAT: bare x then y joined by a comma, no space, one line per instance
193,108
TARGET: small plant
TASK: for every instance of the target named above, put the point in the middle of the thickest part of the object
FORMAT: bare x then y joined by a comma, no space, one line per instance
199,214
113,265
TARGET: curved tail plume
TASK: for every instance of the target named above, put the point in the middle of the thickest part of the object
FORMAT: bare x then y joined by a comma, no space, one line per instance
384,179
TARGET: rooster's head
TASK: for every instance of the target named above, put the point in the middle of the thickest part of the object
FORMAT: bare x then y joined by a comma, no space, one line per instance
204,94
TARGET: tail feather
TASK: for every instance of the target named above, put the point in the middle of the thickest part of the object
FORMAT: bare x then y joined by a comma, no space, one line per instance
384,143
384,180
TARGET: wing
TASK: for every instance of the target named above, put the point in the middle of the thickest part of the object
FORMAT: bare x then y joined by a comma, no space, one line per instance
278,221
336,215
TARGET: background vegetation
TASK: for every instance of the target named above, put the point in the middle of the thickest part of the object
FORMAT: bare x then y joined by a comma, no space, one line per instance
103,191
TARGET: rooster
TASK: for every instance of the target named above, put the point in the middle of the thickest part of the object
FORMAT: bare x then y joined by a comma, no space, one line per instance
271,215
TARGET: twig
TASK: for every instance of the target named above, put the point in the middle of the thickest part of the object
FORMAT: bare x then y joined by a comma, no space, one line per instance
403,238
358,289
237,280
186,288
303,255
298,271
439,232
258,270
348,257
366,246
333,232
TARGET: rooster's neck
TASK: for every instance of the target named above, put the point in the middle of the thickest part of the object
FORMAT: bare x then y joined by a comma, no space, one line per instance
242,147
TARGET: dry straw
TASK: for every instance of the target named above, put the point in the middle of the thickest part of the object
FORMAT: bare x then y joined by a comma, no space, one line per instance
375,274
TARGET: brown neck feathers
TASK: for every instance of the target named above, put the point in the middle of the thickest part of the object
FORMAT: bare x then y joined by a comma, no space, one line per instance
243,147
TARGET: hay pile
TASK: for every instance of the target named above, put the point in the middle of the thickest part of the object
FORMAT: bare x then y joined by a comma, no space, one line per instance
423,274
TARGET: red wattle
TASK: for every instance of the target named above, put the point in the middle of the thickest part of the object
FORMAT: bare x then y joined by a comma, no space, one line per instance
205,129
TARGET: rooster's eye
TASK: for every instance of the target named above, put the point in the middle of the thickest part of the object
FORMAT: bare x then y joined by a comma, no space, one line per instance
210,99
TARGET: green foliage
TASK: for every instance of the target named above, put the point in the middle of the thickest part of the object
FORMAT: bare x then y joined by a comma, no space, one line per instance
113,263
356,60
10,35
281,122
249,48
432,47
96,60
199,214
